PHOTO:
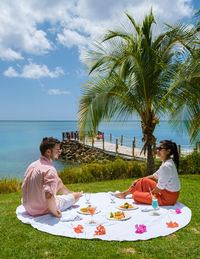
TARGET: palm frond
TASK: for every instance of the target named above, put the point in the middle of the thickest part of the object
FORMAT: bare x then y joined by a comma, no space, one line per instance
137,28
103,98
112,34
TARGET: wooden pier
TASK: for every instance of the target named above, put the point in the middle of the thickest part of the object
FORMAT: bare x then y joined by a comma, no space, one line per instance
114,147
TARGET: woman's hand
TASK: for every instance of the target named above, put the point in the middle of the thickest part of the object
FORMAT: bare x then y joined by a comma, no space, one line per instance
156,190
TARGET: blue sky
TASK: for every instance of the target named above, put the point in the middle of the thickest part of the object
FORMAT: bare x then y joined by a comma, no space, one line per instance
42,45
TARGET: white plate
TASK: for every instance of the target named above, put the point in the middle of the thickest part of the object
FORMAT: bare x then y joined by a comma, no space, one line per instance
87,213
134,208
126,218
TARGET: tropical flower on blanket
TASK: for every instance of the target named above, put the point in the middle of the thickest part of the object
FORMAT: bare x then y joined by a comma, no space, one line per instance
178,211
140,229
100,230
79,229
172,224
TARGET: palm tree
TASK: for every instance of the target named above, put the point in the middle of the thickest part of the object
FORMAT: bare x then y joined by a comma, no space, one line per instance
133,70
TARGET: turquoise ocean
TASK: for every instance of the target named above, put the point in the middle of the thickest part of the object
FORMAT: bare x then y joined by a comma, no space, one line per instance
20,140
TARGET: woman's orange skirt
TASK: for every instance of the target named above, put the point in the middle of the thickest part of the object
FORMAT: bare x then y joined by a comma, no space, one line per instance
141,193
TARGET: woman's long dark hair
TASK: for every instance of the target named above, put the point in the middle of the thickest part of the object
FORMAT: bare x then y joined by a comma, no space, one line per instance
168,144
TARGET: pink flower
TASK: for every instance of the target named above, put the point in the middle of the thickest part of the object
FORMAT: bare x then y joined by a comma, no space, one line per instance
178,211
140,229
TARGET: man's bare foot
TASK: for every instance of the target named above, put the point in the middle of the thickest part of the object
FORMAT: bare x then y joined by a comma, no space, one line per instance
120,195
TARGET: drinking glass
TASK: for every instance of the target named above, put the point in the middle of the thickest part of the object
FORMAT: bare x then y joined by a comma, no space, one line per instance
87,197
112,198
92,211
154,204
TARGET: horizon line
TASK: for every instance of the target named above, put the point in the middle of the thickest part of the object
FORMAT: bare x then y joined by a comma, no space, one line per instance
124,121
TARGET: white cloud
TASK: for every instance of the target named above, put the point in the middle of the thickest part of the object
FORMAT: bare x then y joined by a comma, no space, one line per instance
112,10
9,54
21,22
10,72
101,10
36,42
92,18
37,71
33,26
34,71
57,92
70,38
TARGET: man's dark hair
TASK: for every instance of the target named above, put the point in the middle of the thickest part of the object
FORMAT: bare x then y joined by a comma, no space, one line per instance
48,143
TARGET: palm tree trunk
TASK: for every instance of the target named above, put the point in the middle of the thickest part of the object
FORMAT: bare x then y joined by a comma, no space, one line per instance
149,142
150,160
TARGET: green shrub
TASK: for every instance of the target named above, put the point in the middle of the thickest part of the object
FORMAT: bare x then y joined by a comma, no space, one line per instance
121,169
106,170
68,174
190,164
95,170
138,169
84,175
8,185
118,169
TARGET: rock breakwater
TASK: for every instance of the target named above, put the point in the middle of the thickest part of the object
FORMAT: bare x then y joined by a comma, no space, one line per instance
75,152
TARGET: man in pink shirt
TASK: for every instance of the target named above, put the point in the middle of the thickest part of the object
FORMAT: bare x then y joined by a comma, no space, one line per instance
41,183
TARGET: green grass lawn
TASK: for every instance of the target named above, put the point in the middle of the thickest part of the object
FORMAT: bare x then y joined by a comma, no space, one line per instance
18,240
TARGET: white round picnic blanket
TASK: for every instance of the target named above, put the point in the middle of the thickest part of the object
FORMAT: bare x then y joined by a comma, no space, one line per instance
136,220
